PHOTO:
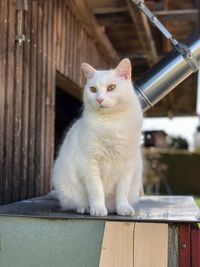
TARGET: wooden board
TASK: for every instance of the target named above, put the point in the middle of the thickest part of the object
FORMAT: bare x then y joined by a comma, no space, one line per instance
150,245
117,247
134,245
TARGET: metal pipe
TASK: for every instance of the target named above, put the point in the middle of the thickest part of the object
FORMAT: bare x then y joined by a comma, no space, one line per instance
167,74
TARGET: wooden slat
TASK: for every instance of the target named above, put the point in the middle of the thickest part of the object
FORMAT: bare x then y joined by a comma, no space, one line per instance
25,107
195,246
9,101
144,33
184,245
32,100
63,32
70,62
67,42
117,247
43,97
109,10
17,109
188,14
3,57
89,23
150,245
59,33
49,104
38,115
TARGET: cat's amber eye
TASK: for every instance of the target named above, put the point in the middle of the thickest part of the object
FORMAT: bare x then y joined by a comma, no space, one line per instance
111,87
93,89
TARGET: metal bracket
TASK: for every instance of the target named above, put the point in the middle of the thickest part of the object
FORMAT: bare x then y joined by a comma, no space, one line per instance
20,38
180,47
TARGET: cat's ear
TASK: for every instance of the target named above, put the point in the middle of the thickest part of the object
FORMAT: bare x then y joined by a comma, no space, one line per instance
88,70
124,69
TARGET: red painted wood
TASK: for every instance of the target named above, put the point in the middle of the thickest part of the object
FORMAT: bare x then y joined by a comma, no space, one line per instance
195,247
184,245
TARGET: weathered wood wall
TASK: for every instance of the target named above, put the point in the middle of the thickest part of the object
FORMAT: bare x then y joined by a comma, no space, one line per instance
55,40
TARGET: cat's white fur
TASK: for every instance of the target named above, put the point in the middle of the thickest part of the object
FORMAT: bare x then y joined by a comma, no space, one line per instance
99,166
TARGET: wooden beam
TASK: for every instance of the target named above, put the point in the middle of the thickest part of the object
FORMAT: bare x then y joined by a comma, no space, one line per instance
93,29
144,33
68,86
109,10
187,14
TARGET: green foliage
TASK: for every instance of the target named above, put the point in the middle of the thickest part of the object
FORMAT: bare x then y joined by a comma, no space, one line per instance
198,201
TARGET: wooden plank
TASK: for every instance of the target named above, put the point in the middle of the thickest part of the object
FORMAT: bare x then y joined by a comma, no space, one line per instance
184,245
53,90
195,246
18,77
25,106
32,100
173,245
75,52
93,29
70,61
188,14
49,103
59,33
151,245
38,115
67,40
81,44
43,97
117,246
109,10
63,32
3,57
144,33
9,104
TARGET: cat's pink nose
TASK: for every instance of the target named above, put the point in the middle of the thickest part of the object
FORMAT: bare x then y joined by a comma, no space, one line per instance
100,100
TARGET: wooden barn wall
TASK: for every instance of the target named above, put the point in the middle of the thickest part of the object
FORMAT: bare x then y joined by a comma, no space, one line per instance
74,46
54,40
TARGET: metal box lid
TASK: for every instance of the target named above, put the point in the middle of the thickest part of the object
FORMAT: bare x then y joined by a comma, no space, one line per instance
149,208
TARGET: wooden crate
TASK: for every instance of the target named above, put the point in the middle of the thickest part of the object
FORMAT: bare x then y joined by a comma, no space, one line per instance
163,232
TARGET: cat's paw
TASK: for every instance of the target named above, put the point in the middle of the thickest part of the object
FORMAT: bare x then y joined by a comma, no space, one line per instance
98,211
83,210
125,210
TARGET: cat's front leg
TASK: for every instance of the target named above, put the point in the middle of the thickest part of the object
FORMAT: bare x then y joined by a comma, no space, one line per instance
122,191
95,191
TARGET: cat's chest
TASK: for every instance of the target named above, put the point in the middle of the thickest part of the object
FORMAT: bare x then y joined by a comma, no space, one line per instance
113,143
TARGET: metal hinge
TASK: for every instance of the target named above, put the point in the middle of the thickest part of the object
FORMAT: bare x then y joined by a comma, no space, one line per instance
21,5
20,38
180,47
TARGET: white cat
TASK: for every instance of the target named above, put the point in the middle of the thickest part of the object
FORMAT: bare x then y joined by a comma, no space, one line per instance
99,166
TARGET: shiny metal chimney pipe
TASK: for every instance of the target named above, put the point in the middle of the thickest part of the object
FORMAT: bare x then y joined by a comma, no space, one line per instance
167,74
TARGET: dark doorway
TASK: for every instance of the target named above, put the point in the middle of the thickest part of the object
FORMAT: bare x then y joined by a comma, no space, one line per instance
67,110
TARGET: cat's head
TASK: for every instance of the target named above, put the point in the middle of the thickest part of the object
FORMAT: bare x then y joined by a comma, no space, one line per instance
108,90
